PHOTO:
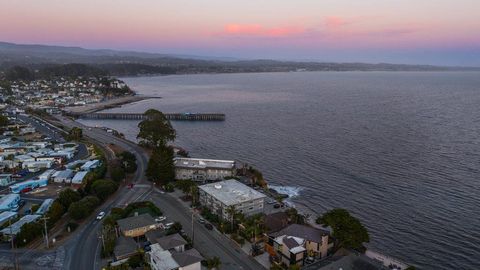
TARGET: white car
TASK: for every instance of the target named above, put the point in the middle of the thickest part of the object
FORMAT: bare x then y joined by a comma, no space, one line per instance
168,225
160,219
100,215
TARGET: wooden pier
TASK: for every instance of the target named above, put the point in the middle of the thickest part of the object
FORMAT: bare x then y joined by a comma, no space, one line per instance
141,116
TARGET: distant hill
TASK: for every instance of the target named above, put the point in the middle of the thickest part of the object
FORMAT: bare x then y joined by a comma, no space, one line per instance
39,57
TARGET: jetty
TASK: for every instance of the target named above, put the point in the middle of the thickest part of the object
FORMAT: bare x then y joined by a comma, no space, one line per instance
141,116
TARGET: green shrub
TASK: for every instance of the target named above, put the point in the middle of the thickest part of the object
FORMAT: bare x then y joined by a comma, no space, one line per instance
103,188
83,208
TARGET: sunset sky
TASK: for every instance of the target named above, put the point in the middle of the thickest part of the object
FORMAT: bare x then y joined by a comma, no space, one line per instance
443,32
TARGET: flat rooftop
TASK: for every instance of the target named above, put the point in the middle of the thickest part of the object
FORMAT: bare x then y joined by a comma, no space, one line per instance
15,228
198,163
231,192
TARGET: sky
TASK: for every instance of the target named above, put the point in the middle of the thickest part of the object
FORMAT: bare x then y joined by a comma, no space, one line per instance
441,32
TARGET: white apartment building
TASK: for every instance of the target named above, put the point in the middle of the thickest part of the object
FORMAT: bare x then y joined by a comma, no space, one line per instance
203,170
220,196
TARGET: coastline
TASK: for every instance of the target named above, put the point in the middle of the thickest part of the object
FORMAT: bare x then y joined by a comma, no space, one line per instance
107,104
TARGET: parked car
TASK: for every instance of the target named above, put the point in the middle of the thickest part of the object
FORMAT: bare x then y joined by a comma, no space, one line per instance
160,219
201,221
21,203
209,226
310,260
168,225
100,215
276,205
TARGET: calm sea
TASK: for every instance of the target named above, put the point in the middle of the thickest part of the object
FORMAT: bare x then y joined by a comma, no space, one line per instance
400,150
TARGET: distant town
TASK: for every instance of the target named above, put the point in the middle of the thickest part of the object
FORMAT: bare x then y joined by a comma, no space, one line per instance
78,197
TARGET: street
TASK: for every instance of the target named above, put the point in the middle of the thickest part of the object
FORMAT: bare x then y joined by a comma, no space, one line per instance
208,243
83,250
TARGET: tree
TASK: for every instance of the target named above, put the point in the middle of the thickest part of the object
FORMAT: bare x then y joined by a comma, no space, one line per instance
135,261
176,228
75,134
83,208
117,173
160,168
294,267
294,216
104,188
19,73
28,232
213,263
155,130
67,197
128,161
3,121
232,211
55,212
348,230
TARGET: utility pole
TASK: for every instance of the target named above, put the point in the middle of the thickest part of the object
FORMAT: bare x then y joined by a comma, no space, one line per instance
46,231
15,266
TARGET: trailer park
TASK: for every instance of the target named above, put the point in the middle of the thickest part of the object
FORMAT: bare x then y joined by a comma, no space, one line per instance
34,169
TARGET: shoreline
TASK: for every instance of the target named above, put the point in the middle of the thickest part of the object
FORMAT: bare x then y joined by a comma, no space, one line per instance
107,104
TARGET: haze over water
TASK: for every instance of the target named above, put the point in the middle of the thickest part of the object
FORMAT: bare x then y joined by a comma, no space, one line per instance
399,150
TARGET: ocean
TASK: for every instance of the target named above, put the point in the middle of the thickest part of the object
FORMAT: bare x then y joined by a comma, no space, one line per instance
400,150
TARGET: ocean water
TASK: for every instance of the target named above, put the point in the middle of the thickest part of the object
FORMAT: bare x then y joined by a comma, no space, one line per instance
400,150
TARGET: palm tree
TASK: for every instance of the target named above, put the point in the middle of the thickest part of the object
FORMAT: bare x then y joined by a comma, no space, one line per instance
213,263
194,193
231,211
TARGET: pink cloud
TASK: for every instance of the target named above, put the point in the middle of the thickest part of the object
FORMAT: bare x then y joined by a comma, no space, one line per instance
257,30
335,22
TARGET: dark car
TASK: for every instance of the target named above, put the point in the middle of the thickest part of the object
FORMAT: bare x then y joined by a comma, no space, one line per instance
209,226
276,205
21,203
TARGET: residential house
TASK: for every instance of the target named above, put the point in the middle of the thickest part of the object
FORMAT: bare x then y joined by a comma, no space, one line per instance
293,244
169,253
137,225
125,247
62,176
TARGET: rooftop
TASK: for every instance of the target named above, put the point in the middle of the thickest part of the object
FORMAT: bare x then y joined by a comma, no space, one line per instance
78,178
304,232
187,257
197,163
231,192
7,199
139,221
171,241
15,228
163,258
124,246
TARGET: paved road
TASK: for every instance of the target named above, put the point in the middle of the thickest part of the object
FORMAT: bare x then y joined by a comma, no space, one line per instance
84,251
208,243
43,127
